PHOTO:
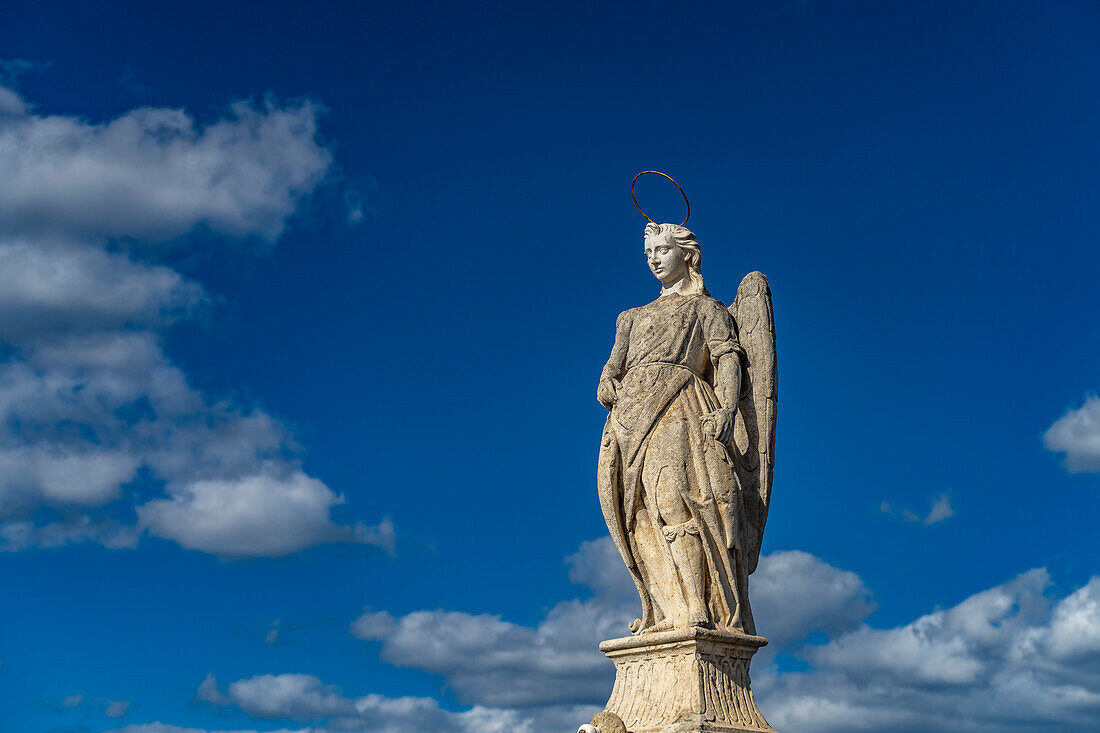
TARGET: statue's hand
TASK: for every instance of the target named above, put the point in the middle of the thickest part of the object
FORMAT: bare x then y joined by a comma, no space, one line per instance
607,392
719,424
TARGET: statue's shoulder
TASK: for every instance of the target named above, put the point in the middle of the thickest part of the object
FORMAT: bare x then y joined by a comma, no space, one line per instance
707,301
709,306
626,317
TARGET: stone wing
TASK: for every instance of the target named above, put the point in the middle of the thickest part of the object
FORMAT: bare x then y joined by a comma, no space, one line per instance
754,429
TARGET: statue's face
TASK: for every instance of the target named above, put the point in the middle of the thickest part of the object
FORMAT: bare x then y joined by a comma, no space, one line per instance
666,260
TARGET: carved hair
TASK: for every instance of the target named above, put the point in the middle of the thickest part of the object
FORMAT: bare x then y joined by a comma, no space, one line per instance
683,238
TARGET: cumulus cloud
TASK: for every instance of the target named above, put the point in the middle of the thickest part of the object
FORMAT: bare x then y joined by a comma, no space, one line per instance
90,405
1013,657
307,698
1077,434
154,174
164,728
90,413
1006,658
81,415
264,514
489,661
11,104
299,696
51,286
795,594
71,701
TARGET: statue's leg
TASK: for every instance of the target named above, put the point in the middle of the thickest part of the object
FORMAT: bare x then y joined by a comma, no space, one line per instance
660,576
669,481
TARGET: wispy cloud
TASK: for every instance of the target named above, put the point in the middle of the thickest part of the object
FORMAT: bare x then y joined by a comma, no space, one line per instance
116,708
941,510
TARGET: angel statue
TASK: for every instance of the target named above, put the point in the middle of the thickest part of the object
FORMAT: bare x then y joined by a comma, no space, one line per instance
685,466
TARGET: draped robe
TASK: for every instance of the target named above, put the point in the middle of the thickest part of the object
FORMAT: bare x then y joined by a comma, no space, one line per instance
664,361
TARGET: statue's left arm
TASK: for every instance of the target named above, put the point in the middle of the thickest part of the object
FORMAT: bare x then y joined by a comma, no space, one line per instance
721,335
727,380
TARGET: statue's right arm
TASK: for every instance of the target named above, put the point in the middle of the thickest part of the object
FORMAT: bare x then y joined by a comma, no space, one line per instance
607,392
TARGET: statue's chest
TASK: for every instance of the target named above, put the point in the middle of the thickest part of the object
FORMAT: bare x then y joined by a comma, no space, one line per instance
663,329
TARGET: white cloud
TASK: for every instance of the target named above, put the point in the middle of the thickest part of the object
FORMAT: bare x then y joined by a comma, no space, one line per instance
994,662
793,594
163,728
307,698
210,692
1012,657
941,510
263,514
299,696
155,174
11,103
492,662
598,566
63,475
51,286
20,535
116,708
89,401
944,647
1073,635
1006,657
1077,434
489,661
79,416
71,701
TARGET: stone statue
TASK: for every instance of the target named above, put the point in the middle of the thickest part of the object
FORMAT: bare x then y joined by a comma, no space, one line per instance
685,473
686,462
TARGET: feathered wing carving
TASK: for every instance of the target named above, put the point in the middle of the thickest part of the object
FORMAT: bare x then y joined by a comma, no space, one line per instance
754,428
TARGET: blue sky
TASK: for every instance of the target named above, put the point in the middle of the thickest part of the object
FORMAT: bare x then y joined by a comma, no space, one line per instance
302,309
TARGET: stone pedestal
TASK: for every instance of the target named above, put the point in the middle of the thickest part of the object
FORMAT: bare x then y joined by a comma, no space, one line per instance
685,681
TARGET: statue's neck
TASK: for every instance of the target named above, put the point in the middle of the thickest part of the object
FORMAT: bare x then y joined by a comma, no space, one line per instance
683,286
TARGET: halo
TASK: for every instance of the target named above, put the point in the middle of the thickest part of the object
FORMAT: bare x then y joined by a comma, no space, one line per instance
687,206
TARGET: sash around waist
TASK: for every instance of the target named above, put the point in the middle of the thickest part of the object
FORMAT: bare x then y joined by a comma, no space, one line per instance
664,363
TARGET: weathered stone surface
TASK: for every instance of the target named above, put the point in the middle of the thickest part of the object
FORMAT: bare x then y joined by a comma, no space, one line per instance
684,480
607,722
685,680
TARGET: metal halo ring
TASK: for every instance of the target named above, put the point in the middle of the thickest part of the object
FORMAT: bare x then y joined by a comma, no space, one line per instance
687,206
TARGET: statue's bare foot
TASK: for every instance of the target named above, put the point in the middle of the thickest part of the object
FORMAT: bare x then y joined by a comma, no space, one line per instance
637,630
698,618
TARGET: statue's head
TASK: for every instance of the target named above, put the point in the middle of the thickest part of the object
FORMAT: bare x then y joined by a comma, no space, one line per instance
673,255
